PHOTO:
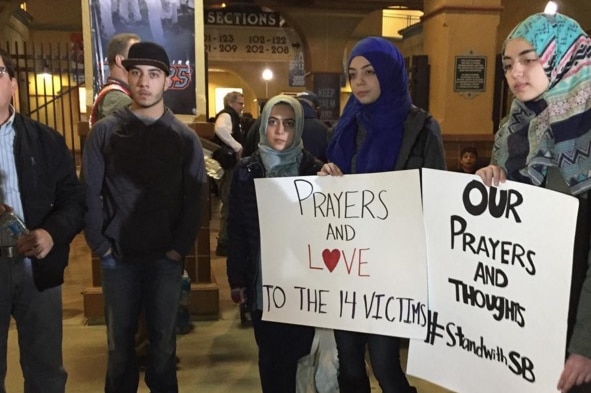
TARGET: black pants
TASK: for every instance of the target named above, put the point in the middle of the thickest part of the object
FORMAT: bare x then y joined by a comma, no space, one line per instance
384,353
281,345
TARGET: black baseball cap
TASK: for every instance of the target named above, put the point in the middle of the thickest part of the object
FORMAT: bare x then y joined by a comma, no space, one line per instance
147,53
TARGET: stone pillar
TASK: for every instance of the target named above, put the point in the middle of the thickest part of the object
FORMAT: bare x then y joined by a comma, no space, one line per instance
459,39
327,33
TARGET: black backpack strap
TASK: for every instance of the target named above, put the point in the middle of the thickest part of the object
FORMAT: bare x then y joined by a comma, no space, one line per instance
424,118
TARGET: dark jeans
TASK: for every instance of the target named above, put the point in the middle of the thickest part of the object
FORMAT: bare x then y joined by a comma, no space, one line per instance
384,353
281,345
38,317
155,286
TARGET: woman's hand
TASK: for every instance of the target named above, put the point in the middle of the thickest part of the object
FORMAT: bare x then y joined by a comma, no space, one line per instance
238,295
577,370
492,175
330,169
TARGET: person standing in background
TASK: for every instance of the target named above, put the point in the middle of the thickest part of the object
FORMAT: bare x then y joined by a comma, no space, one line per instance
379,131
468,162
545,142
146,188
228,132
38,183
246,121
115,93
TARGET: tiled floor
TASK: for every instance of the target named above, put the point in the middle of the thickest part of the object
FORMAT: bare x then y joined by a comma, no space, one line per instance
216,357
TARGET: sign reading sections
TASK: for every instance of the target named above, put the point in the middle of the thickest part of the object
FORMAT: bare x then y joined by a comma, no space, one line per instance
499,280
239,18
255,35
344,252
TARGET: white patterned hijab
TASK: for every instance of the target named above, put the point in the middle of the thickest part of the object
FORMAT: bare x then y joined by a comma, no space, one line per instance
555,130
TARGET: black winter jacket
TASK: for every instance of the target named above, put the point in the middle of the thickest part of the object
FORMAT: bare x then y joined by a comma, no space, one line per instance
51,194
145,186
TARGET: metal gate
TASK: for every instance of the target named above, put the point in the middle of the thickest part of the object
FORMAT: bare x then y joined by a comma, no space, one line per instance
50,84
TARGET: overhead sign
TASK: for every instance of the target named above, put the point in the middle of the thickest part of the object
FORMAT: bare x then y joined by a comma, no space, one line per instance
232,43
254,36
241,18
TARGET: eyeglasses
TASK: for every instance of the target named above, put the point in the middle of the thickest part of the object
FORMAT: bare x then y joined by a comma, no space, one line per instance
526,62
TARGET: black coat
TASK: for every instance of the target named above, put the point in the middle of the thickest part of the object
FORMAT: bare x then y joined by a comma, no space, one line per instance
51,194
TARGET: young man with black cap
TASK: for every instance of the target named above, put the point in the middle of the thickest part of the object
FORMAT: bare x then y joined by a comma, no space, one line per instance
146,185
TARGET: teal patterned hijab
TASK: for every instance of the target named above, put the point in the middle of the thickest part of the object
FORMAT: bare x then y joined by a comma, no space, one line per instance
286,162
555,129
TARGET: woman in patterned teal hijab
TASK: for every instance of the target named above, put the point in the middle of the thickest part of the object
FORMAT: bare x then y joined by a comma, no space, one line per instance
546,138
554,128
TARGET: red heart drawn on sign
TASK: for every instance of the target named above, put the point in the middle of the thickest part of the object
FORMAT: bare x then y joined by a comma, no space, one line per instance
331,258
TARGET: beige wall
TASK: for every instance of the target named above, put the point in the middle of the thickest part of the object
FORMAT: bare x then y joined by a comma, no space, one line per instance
448,35
15,32
56,15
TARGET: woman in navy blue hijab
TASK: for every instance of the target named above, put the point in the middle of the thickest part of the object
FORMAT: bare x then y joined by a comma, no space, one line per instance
379,131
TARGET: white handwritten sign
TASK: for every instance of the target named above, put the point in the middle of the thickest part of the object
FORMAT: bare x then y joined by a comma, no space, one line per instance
499,278
344,252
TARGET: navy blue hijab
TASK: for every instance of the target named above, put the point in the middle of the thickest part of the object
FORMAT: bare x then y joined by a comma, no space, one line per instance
383,119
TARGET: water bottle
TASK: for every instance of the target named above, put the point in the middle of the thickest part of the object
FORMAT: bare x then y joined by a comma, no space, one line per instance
183,320
12,224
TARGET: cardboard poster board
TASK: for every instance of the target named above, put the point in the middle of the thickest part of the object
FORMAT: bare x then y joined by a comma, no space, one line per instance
499,263
344,252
